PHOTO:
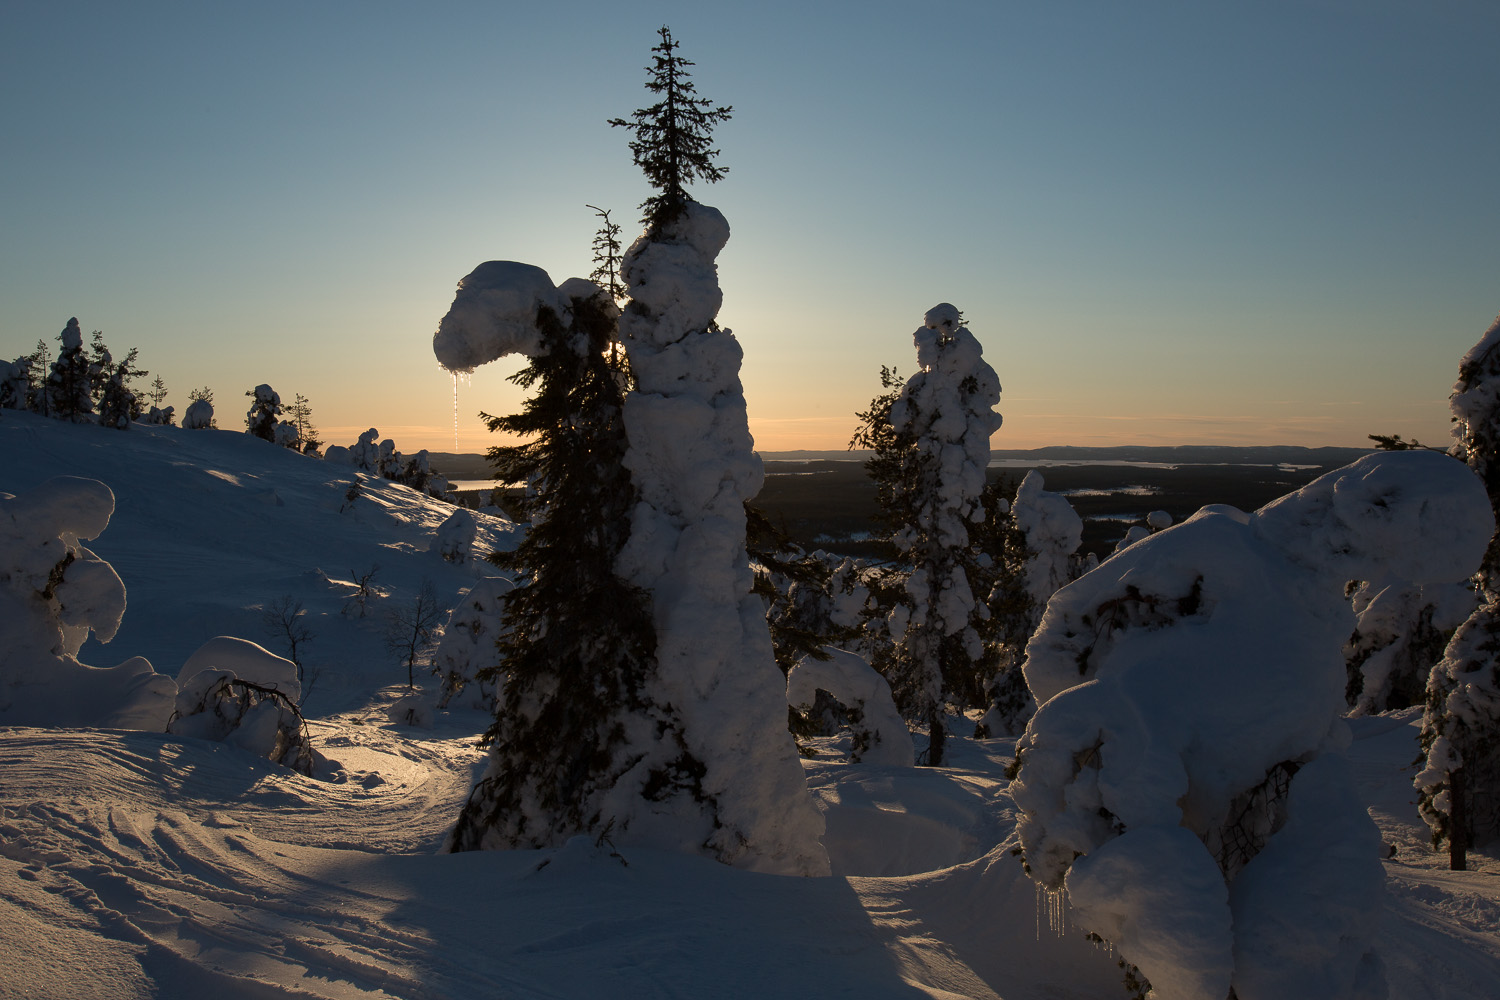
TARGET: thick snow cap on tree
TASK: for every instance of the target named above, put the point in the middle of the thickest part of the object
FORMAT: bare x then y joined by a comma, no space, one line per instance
248,662
1194,667
493,314
693,461
53,592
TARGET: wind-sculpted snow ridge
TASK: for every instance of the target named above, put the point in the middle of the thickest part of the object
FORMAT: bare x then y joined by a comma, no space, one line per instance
1183,777
53,592
693,463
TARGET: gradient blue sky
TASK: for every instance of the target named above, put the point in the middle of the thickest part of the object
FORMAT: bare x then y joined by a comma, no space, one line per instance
1167,222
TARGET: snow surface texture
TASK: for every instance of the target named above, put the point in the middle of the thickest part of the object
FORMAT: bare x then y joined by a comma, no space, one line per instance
1180,738
880,734
141,866
53,593
693,462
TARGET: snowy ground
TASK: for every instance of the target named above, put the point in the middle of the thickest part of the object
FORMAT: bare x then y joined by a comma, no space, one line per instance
142,865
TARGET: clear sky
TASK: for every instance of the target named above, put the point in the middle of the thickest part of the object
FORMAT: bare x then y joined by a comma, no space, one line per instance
1189,222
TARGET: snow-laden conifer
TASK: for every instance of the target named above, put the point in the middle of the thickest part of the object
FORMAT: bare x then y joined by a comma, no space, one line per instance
69,384
1182,778
579,745
470,645
1460,785
117,402
261,419
937,447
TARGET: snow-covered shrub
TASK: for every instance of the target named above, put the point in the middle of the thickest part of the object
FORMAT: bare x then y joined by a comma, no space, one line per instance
15,383
338,455
287,435
260,419
468,646
160,417
53,592
199,415
413,709
234,691
1052,529
879,733
1182,778
454,538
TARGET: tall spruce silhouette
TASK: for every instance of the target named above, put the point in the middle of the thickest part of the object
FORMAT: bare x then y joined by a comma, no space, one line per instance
673,136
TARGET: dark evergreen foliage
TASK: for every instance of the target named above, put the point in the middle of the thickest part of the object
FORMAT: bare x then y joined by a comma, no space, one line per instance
69,384
580,643
673,136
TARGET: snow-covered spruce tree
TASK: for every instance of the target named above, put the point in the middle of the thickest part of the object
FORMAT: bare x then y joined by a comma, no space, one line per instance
1183,780
936,451
261,418
579,745
1458,789
117,403
693,463
69,383
1461,724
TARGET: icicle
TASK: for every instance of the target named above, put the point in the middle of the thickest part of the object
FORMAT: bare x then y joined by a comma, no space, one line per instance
455,411
1056,911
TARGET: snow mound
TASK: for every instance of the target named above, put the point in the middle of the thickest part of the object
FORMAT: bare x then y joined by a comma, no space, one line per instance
53,593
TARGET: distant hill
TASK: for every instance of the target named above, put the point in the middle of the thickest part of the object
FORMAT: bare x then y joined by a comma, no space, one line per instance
470,466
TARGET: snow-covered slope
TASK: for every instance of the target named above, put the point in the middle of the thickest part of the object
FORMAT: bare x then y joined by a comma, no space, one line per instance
138,865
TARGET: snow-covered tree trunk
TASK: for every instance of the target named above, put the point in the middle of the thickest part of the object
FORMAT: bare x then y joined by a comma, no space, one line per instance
740,794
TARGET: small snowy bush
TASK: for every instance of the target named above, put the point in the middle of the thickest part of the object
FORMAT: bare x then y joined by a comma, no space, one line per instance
454,538
468,646
1182,778
199,415
234,691
879,733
